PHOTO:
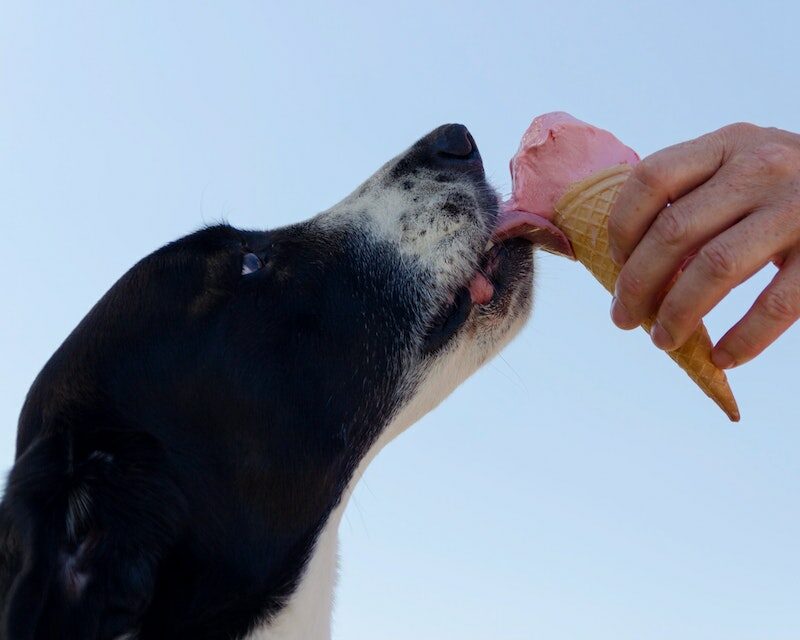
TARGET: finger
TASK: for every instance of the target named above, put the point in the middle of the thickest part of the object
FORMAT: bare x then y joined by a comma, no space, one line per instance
726,261
656,181
678,231
774,311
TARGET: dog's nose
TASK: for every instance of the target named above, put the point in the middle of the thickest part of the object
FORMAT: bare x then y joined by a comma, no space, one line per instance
454,142
453,148
450,150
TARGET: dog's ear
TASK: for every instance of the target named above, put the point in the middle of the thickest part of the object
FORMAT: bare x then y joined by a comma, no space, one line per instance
94,519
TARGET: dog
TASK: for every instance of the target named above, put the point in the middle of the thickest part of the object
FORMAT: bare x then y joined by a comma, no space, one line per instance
184,458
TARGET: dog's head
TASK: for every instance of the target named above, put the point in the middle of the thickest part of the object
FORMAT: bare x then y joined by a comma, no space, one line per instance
334,326
267,365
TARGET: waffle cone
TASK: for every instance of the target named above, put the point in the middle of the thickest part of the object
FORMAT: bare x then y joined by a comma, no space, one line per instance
582,214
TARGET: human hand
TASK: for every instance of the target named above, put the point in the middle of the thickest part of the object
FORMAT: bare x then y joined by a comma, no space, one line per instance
734,205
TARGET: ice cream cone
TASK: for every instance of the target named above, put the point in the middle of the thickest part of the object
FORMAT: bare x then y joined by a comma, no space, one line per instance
582,214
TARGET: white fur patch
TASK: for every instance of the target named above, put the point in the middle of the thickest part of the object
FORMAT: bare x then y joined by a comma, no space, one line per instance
416,222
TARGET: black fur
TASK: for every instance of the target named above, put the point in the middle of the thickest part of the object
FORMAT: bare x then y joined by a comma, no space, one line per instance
180,452
187,405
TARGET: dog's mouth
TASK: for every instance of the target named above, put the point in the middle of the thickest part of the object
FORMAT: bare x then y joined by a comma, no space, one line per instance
493,275
513,228
493,272
500,267
515,234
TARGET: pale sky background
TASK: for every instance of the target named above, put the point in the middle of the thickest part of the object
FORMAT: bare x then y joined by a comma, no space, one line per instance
579,487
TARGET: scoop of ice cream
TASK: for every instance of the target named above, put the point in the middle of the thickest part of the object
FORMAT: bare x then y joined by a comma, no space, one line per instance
556,151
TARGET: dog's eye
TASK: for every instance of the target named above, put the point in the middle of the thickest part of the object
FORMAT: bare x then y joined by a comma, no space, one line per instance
251,263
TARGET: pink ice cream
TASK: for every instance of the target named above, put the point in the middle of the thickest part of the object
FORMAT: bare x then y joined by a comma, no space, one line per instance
556,151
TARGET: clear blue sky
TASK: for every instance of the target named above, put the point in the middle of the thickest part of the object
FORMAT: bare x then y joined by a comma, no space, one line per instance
579,486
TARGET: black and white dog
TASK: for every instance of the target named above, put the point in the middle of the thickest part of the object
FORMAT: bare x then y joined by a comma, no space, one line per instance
184,458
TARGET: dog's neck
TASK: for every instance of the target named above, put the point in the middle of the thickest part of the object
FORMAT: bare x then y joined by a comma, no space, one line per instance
307,614
308,611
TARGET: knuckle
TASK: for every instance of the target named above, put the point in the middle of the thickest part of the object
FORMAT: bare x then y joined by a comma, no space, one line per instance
740,129
719,261
776,159
743,345
766,162
676,316
672,226
749,165
779,305
786,216
629,287
650,175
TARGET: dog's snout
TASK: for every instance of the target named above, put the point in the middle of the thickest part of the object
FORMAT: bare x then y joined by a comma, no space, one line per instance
452,147
453,142
450,150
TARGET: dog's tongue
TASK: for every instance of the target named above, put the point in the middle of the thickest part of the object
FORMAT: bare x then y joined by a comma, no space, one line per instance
556,151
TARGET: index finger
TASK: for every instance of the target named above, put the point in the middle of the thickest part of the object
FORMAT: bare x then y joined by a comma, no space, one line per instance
656,181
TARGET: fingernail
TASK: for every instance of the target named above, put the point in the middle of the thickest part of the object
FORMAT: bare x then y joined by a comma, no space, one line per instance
661,337
722,359
620,315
